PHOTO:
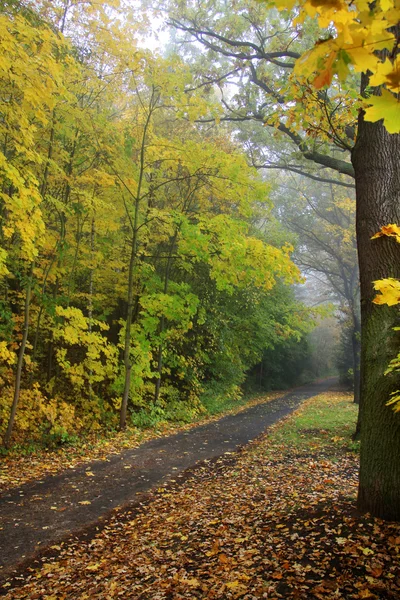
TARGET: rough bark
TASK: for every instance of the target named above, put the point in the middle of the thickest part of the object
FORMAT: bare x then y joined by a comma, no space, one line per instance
376,159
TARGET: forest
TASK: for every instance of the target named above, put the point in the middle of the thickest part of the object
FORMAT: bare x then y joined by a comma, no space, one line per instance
199,210
144,266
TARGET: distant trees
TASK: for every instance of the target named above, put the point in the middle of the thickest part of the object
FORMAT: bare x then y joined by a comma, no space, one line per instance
323,218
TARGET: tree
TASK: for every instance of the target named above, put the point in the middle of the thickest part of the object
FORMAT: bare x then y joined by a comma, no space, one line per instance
367,35
248,62
283,122
31,82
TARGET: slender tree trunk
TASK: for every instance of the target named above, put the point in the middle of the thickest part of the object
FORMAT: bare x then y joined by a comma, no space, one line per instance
132,261
127,343
356,348
162,322
376,159
356,345
159,364
90,301
21,354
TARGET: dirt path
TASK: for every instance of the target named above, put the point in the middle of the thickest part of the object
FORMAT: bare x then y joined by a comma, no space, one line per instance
42,513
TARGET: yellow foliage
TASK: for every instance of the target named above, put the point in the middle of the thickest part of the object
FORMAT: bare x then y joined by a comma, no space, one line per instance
386,107
36,414
389,291
390,294
361,29
6,356
100,358
391,230
31,84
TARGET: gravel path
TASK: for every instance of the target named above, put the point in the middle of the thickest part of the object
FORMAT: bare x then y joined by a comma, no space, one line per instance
42,513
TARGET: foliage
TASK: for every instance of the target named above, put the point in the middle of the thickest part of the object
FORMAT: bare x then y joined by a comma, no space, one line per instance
358,34
129,236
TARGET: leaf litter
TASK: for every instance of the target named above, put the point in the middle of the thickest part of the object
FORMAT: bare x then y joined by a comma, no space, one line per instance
276,521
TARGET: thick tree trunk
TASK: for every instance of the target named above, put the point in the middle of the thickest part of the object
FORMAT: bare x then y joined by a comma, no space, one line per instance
376,160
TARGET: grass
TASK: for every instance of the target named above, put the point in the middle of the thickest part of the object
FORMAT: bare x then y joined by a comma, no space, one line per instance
325,424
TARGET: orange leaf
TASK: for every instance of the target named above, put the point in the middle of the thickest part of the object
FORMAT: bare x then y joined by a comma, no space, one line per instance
277,575
326,75
376,572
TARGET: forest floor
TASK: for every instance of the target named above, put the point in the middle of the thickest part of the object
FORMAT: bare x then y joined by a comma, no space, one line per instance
274,520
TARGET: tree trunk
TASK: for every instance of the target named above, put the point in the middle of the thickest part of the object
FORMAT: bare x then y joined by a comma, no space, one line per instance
376,159
127,342
20,363
356,347
132,262
162,322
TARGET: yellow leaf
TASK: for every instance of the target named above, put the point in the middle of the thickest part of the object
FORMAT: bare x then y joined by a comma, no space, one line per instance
385,107
84,502
390,291
393,78
233,584
366,594
325,76
192,582
93,567
285,4
386,4
382,73
391,230
366,551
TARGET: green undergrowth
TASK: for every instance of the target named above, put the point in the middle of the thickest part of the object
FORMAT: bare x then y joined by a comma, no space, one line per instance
217,403
324,424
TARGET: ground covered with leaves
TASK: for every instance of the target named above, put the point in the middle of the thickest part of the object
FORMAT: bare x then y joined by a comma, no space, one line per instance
276,521
24,463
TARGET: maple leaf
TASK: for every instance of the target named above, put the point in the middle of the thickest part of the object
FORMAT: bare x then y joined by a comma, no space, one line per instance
390,291
325,76
391,230
386,107
193,582
393,79
387,72
366,594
